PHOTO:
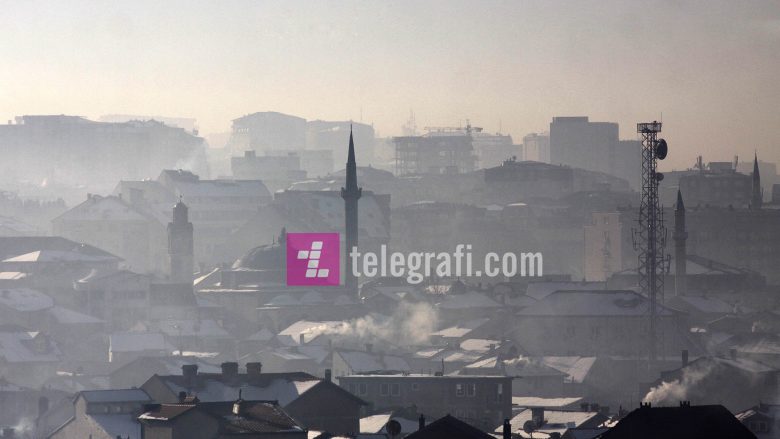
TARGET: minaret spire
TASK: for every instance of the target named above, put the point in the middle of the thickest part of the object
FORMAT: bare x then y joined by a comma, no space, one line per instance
757,200
351,194
680,250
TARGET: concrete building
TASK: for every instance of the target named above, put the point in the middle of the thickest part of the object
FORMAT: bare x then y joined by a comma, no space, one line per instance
72,150
317,403
276,171
331,136
267,130
105,414
193,419
603,322
482,401
215,207
536,147
434,154
595,146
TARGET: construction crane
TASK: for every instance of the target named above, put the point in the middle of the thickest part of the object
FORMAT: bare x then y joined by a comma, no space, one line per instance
468,129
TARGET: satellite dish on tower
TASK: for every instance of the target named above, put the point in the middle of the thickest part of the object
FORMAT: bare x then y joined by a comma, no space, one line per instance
661,149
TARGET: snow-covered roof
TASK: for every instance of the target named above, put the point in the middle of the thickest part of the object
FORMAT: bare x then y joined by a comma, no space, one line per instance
469,300
204,328
462,329
592,303
360,362
376,423
540,290
480,345
282,390
67,316
576,368
25,299
18,347
115,395
310,330
261,335
556,421
535,401
137,342
122,425
59,256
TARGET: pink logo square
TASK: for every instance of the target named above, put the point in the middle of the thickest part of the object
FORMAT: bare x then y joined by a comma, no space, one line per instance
313,258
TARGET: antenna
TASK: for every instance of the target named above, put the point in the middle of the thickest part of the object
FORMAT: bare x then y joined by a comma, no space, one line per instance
650,235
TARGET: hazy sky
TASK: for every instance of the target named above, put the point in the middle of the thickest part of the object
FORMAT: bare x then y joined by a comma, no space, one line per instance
711,67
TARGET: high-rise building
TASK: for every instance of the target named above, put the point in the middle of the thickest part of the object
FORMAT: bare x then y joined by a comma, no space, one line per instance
595,146
536,147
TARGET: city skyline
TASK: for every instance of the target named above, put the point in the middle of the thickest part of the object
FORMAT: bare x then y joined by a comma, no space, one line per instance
708,73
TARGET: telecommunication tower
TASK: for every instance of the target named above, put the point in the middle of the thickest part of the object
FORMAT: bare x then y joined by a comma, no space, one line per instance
650,236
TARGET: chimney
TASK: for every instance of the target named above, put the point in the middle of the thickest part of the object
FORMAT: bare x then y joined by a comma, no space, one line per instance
189,372
254,369
43,405
685,357
301,339
182,396
733,353
230,369
537,415
421,422
507,429
584,406
328,375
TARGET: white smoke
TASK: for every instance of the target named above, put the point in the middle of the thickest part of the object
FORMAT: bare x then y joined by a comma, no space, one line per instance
672,392
410,324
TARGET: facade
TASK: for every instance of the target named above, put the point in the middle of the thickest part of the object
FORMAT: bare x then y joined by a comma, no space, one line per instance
267,130
72,150
595,146
536,147
105,414
193,419
599,322
717,186
215,207
276,171
431,154
111,223
323,135
482,401
603,247
492,149
317,403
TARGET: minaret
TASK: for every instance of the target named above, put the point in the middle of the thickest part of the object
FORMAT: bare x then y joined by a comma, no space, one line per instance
680,252
180,244
351,194
757,199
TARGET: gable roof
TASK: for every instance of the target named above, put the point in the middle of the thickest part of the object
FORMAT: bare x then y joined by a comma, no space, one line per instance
604,303
449,427
690,422
115,395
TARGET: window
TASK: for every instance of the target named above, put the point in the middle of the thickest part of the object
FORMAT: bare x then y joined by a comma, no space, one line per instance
395,389
383,389
500,392
459,389
471,389
362,390
415,387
